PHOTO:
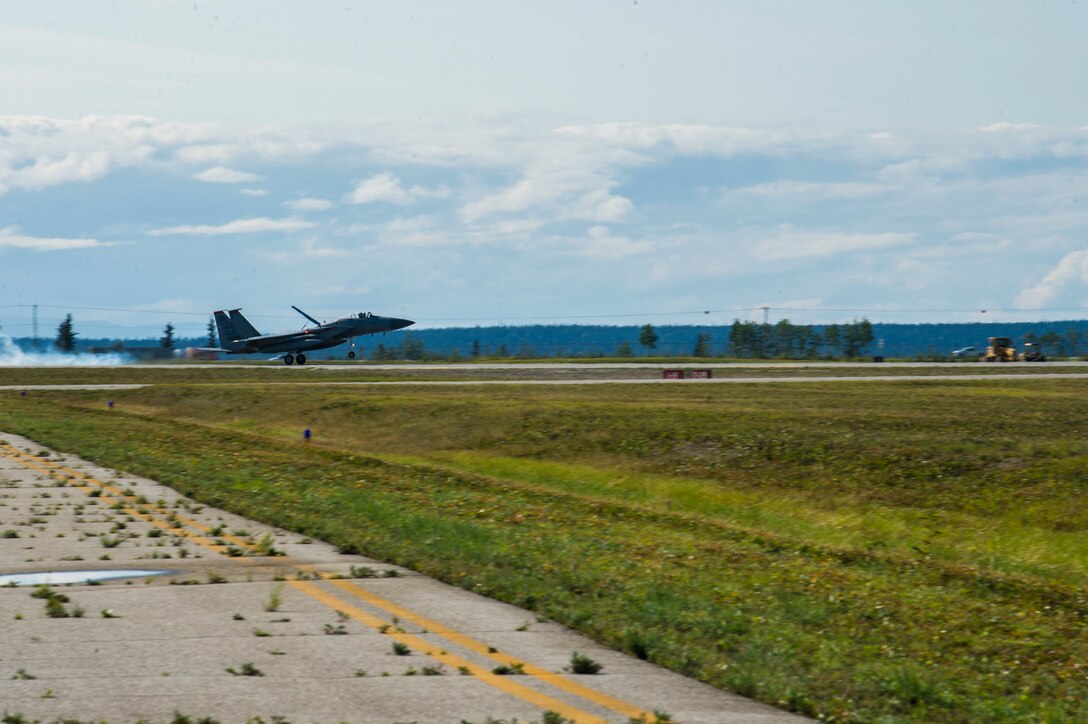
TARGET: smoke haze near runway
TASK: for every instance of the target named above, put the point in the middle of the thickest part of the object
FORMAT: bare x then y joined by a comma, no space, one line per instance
11,355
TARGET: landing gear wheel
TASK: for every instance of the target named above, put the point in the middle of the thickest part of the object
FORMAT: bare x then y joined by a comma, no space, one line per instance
351,354
288,359
300,358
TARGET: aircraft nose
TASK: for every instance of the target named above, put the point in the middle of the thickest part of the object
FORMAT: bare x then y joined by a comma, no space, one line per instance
402,323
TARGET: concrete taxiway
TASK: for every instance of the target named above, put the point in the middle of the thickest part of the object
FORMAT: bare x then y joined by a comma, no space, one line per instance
232,632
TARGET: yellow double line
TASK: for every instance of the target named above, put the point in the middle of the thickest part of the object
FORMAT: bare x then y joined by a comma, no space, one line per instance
151,513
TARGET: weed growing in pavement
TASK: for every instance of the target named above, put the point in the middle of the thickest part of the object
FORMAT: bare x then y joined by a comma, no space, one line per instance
435,670
337,630
582,664
246,669
516,669
363,572
401,649
264,547
23,675
180,718
660,717
275,599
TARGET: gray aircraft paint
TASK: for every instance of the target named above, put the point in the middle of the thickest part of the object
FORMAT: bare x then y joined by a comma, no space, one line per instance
238,336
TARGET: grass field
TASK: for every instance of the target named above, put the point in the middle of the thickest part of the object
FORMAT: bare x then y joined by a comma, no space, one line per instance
858,551
272,373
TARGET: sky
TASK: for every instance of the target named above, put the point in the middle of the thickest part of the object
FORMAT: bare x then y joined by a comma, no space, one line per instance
505,163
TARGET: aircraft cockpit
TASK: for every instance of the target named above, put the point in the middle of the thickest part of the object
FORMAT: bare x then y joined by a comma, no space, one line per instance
366,315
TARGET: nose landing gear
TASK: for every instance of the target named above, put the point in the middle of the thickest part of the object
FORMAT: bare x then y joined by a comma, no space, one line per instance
351,352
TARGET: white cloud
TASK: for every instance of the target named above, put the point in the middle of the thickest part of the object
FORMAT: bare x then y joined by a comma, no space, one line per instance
10,236
238,226
308,204
224,175
604,245
387,188
1006,126
253,192
565,191
691,139
309,250
790,244
839,190
1072,267
37,151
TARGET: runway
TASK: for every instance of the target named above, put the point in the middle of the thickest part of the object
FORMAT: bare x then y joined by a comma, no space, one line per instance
294,631
575,382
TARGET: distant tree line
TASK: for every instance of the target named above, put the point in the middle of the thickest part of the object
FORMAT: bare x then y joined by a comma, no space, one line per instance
741,339
799,341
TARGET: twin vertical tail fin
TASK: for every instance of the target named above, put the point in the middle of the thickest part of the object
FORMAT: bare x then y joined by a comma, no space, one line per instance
233,327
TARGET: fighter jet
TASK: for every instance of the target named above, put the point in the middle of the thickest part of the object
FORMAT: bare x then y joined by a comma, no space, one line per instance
238,336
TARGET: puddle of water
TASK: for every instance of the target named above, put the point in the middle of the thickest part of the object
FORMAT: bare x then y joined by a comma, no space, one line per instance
57,578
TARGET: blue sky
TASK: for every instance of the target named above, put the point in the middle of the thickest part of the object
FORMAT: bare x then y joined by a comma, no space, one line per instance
509,162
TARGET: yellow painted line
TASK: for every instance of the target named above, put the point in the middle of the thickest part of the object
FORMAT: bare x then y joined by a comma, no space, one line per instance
54,468
505,683
502,682
467,642
134,512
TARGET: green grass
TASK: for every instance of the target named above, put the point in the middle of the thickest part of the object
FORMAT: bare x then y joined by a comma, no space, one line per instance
906,551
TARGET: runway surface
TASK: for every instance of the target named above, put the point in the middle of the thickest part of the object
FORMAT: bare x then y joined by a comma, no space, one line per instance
618,381
230,632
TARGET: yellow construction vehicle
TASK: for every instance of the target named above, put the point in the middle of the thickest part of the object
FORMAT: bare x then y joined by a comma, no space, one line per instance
1000,349
1033,352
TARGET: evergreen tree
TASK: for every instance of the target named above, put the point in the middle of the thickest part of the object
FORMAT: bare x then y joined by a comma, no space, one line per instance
66,336
212,338
1053,343
702,346
624,350
385,354
475,349
503,351
744,339
1073,340
411,347
167,339
832,338
647,337
856,337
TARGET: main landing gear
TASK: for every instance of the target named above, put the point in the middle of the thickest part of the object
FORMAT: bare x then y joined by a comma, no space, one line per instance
351,352
290,359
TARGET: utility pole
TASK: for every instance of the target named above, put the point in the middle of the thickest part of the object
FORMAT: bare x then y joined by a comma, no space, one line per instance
34,317
763,331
